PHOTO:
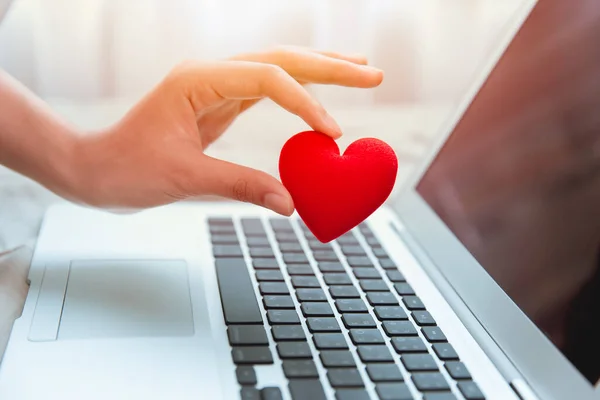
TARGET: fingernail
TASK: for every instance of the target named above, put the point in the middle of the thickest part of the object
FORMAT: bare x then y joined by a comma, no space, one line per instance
332,126
278,203
371,69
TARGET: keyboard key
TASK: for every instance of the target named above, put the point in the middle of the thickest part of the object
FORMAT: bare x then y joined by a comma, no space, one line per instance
393,391
347,240
261,252
445,351
316,309
271,393
247,335
220,221
384,373
265,263
300,269
287,332
413,303
374,353
350,250
439,396
328,266
220,251
351,394
337,358
373,285
395,276
470,390
423,318
399,328
404,289
351,306
358,261
286,237
323,325
388,264
325,341
282,302
372,241
302,389
249,393
366,336
344,377
385,313
425,381
258,241
358,321
380,253
224,229
457,370
269,275
382,299
344,292
237,292
337,279
366,273
433,334
281,224
291,248
305,282
300,369
293,350
251,355
245,375
325,255
283,317
273,288
295,258
224,239
409,344
419,362
305,294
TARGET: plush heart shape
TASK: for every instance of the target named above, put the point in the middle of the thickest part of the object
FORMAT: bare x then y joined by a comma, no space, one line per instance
333,193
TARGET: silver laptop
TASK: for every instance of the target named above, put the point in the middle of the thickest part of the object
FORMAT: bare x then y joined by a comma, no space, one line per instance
478,281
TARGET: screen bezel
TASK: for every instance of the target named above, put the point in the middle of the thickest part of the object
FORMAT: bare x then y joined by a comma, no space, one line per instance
549,373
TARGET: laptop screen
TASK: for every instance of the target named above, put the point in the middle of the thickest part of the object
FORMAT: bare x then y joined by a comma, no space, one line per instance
518,180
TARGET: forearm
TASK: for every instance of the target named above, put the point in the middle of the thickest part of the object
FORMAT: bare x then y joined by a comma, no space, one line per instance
34,141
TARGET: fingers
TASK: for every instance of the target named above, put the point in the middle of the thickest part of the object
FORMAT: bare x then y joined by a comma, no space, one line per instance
240,183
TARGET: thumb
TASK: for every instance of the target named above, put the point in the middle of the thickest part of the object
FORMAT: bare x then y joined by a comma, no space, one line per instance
245,184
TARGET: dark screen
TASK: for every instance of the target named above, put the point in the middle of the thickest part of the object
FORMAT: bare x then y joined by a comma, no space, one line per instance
518,181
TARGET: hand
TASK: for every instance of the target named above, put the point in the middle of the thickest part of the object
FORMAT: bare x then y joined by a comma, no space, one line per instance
155,155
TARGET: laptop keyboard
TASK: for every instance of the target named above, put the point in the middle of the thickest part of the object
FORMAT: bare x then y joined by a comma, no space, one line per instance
341,316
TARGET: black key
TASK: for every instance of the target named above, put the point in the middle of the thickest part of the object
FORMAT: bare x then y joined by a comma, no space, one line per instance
325,255
351,306
352,394
283,317
281,224
409,344
457,370
404,289
291,248
300,269
348,241
382,299
316,309
251,355
388,264
305,294
350,250
220,221
295,258
274,301
237,292
380,253
419,362
366,336
258,241
249,393
224,239
433,334
393,391
337,279
283,237
245,375
261,252
344,292
413,303
271,393
293,350
373,285
273,288
247,335
384,373
395,276
358,321
399,328
300,369
426,381
315,245
355,261
374,353
366,273
305,282
265,263
344,377
439,396
220,251
445,351
385,313
373,242
324,341
302,389
423,318
269,275
337,358
470,390
222,230
287,332
328,266
325,324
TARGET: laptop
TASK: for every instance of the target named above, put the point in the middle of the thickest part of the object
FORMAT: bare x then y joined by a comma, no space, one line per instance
478,281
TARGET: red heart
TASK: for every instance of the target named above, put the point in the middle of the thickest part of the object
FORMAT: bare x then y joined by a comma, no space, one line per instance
333,193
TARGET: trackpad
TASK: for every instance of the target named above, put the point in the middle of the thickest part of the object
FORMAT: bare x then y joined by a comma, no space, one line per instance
126,299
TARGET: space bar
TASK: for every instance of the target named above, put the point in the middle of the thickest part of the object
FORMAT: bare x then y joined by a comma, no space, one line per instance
237,292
